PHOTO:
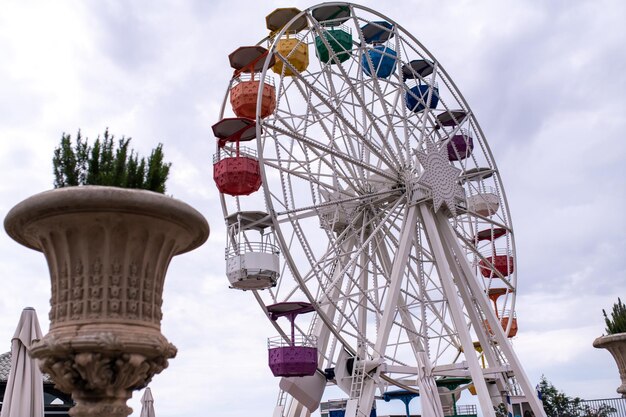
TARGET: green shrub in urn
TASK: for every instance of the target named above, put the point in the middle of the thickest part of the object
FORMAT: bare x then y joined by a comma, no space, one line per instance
617,322
108,162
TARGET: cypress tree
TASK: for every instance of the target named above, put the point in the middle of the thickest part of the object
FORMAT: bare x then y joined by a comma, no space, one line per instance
104,163
617,322
158,171
66,171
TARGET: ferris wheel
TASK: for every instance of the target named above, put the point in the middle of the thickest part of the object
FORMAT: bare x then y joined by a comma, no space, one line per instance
358,188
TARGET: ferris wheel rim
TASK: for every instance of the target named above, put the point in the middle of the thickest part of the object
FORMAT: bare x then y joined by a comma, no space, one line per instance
269,201
453,88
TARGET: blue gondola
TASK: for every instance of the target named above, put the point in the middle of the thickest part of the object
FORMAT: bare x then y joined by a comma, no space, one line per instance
417,97
383,61
383,57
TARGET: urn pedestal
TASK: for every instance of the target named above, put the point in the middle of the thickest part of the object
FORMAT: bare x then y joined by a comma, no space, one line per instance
107,250
616,344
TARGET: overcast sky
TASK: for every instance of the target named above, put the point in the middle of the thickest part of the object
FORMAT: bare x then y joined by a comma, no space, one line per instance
546,80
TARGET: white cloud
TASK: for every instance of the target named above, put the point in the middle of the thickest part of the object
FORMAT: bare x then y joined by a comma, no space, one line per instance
547,84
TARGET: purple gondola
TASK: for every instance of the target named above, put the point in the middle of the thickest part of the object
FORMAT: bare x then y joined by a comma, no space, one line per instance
298,355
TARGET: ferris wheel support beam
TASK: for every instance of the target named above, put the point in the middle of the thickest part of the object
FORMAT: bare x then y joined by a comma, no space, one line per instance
362,405
395,280
473,307
456,311
503,342
429,395
362,318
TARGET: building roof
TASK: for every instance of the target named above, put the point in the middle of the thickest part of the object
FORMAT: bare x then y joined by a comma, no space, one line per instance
5,369
5,366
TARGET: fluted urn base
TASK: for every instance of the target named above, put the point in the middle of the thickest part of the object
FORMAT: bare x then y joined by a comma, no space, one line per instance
616,344
101,365
108,250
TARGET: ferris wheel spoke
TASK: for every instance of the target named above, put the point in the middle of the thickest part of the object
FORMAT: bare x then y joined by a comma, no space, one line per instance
362,292
348,268
385,260
379,100
328,260
349,175
368,120
314,179
313,211
319,121
373,129
331,151
351,178
349,126
407,125
403,307
379,97
288,115
364,244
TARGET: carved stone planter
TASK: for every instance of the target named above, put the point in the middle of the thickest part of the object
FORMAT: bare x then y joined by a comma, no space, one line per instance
616,344
108,250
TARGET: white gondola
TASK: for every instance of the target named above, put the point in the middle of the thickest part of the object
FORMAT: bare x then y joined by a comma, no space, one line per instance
252,261
486,202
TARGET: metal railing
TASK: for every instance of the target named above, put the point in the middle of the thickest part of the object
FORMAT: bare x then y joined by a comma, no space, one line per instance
299,341
466,409
463,132
251,247
482,191
335,28
491,251
333,405
607,407
507,314
460,410
290,34
247,77
231,152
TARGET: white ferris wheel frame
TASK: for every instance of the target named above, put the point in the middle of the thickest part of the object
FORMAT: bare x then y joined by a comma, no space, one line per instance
449,257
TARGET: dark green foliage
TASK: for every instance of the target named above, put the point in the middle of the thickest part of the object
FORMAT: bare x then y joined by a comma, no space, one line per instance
617,322
93,168
555,402
558,404
104,163
157,170
70,162
500,410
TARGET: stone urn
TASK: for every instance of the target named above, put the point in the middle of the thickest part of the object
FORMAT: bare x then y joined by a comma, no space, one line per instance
107,250
616,344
